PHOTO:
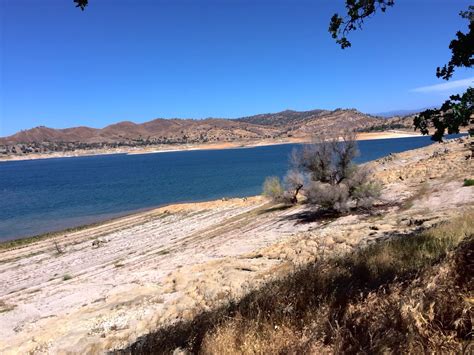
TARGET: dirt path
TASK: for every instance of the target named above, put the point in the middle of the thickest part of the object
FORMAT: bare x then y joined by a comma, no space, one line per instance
102,287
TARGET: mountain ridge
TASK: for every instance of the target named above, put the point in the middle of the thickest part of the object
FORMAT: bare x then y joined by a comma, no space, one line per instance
277,127
266,125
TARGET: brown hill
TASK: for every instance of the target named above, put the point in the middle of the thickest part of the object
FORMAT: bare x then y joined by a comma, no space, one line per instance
283,118
273,125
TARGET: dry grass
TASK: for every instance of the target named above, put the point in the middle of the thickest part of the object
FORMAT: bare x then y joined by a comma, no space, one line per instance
422,191
407,294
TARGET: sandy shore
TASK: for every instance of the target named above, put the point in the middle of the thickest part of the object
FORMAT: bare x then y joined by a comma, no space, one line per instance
203,146
102,287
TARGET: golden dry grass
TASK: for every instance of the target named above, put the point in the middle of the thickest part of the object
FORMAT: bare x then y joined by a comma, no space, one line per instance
369,310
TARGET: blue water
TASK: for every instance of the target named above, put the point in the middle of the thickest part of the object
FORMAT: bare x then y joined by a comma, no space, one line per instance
40,196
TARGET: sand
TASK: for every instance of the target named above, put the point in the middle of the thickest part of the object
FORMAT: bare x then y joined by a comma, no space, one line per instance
103,287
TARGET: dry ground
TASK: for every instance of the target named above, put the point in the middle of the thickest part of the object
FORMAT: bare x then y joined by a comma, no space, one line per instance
103,287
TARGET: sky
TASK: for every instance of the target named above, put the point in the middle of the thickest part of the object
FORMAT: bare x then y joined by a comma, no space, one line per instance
136,60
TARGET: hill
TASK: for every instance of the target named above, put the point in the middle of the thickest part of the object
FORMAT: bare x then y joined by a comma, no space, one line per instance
211,129
270,126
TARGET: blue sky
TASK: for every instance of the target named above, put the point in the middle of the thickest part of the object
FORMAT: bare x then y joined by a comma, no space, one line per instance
142,59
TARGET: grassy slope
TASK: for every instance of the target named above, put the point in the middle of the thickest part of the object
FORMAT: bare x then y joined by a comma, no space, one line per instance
411,294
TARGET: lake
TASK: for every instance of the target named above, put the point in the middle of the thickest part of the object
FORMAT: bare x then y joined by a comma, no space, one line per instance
39,196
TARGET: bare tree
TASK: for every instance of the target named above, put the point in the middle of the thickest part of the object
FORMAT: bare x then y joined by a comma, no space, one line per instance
294,182
345,150
335,180
316,158
325,171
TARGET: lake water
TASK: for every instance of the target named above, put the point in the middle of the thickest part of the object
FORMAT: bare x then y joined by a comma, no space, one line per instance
39,196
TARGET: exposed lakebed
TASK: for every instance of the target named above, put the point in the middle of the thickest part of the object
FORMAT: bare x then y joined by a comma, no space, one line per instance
40,196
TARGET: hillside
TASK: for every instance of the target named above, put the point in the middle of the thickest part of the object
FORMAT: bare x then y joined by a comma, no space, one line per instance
210,133
163,131
284,118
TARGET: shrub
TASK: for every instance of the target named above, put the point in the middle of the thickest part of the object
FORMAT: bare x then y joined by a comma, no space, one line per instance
326,172
328,196
366,193
468,182
273,189
336,181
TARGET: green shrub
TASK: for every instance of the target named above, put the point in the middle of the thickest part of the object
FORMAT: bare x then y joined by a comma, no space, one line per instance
273,188
468,182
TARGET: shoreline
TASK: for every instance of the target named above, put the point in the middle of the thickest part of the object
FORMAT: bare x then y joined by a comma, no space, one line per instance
25,240
107,287
199,146
144,212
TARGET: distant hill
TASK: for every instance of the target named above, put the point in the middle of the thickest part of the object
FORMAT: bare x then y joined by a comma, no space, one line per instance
280,126
270,125
283,118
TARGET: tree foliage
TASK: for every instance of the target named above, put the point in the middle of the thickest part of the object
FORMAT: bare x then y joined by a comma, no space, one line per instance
81,4
456,111
462,48
357,12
